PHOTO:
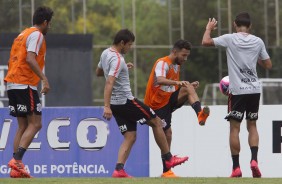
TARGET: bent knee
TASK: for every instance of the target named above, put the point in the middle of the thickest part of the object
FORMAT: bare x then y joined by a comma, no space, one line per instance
155,123
37,126
189,89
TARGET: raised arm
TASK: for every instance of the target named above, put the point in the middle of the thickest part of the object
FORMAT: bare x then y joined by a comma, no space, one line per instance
211,25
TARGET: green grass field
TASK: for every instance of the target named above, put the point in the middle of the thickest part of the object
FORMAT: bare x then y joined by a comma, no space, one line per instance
143,181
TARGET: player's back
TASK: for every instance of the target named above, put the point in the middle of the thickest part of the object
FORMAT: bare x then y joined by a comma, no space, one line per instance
243,52
246,46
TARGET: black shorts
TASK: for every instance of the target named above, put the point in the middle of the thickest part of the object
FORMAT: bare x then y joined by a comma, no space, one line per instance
165,113
23,102
128,115
239,104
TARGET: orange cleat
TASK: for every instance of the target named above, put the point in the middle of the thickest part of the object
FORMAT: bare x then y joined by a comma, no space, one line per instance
203,115
255,169
174,161
18,166
236,173
16,174
120,174
169,174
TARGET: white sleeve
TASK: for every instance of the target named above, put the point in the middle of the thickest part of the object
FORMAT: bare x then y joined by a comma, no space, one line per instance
263,55
34,42
100,64
161,69
115,66
221,40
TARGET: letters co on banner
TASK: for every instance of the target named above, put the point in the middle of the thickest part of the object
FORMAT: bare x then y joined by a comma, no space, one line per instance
73,142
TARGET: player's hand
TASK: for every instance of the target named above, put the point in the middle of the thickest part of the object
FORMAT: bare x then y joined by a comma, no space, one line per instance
130,65
211,24
182,83
45,86
107,113
195,84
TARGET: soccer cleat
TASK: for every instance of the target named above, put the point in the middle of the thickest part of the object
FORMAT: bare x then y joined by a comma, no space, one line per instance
120,174
236,173
169,174
16,174
18,166
174,161
203,115
255,169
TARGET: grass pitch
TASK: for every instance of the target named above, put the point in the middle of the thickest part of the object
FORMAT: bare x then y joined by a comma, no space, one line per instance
142,181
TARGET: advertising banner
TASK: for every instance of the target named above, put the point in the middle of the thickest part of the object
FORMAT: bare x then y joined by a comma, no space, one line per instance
74,142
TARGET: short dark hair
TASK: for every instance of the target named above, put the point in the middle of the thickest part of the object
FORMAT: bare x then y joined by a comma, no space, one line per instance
41,14
243,19
123,35
182,44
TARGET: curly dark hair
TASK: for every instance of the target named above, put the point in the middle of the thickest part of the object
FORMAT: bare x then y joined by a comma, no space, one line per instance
182,44
42,14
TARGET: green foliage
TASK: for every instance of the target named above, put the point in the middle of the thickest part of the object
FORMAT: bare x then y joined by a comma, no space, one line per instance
197,13
9,16
61,22
105,17
152,21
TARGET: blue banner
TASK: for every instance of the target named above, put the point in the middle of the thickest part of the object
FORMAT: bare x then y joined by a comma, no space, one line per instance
74,142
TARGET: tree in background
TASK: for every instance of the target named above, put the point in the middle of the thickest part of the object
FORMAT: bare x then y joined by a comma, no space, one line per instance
105,17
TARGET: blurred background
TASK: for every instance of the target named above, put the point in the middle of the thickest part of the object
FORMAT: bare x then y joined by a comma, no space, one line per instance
157,24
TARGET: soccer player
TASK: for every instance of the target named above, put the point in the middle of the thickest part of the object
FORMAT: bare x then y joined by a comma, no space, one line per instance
165,92
243,51
27,58
128,110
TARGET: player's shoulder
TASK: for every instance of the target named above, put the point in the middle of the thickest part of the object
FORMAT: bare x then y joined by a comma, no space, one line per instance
161,62
35,35
110,55
105,53
111,52
228,36
256,39
36,32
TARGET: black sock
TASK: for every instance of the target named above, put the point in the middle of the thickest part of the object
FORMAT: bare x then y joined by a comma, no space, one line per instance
20,153
164,166
119,166
254,150
235,159
167,156
197,107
